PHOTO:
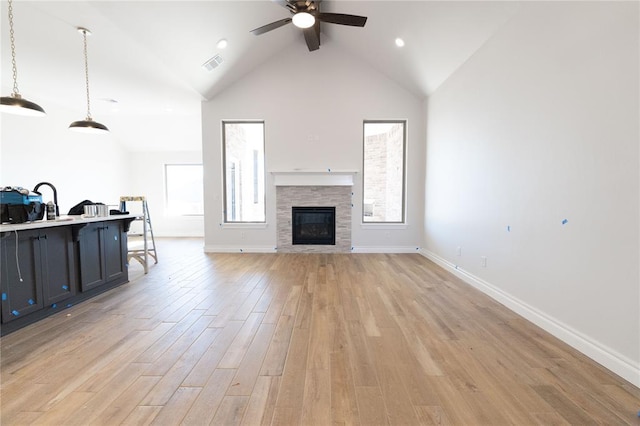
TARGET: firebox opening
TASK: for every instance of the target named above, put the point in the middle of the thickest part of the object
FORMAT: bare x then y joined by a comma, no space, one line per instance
314,225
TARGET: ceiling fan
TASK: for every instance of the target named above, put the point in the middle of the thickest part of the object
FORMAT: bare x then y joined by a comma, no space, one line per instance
307,15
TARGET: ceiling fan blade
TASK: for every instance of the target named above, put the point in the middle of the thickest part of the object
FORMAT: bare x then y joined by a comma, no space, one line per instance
312,37
343,19
271,26
285,4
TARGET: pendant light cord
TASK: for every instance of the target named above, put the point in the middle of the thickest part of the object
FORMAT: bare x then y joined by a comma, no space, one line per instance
17,260
14,67
86,73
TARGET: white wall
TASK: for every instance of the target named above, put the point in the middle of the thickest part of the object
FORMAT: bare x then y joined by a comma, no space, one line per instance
148,179
93,167
539,126
313,105
80,166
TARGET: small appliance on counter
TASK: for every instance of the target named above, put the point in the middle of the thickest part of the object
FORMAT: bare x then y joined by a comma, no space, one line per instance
19,205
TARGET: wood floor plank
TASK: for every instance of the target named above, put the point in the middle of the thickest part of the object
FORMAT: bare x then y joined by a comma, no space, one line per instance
231,410
316,403
167,360
238,348
172,380
208,362
142,415
276,356
371,406
204,408
58,413
260,408
249,369
121,407
293,339
344,402
175,409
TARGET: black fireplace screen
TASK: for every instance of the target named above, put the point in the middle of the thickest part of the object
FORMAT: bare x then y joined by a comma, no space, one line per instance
314,225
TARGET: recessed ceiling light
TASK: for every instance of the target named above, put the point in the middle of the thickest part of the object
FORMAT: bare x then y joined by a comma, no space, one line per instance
399,42
222,43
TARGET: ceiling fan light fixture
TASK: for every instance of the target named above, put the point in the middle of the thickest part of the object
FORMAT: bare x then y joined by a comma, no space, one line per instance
87,125
303,20
16,104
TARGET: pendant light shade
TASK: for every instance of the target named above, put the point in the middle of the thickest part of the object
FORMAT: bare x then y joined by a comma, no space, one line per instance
16,104
87,125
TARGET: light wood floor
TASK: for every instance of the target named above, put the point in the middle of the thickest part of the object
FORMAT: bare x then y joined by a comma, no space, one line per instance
299,339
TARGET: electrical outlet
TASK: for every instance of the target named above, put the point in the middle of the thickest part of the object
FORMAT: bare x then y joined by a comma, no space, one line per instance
458,251
483,261
242,235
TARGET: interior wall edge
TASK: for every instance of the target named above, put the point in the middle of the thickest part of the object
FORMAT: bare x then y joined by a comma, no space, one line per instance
607,357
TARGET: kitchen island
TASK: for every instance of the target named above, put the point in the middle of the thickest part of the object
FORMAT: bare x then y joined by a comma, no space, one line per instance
49,265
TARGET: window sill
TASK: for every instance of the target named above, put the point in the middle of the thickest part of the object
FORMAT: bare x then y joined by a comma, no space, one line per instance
383,225
244,225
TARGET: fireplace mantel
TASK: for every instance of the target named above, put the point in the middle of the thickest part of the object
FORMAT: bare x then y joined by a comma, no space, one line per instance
326,177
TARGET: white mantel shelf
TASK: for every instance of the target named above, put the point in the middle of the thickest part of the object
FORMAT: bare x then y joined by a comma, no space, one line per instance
328,177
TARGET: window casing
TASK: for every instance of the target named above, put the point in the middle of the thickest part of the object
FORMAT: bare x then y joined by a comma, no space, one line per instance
183,189
244,174
384,171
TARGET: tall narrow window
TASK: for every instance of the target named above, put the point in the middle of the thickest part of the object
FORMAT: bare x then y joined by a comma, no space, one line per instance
244,180
384,171
183,186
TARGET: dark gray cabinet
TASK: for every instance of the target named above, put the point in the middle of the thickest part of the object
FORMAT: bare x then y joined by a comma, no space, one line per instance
102,250
38,270
59,268
46,267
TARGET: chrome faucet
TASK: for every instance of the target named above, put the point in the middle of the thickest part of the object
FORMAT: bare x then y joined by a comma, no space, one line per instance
55,194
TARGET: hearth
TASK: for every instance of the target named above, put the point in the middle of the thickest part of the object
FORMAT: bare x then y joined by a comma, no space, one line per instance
313,225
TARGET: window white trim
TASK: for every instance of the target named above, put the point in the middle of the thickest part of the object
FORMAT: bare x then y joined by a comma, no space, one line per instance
383,225
244,225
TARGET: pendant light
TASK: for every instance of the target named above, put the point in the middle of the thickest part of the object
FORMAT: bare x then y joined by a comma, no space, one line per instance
16,104
87,125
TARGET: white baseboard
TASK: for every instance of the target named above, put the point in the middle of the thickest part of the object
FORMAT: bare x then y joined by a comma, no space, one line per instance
385,249
251,249
608,358
221,249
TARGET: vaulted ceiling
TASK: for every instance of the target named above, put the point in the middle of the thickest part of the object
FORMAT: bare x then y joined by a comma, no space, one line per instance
147,55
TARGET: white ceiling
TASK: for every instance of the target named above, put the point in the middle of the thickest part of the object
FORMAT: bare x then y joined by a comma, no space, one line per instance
147,55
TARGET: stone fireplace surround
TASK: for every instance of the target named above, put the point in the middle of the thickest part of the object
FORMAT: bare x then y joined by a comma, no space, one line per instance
314,190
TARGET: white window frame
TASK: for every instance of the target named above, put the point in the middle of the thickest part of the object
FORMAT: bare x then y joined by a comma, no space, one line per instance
236,223
386,224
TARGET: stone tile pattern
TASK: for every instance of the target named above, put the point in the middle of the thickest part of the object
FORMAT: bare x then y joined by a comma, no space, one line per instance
314,196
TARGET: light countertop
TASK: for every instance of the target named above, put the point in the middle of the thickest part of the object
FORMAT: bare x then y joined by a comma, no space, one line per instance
62,220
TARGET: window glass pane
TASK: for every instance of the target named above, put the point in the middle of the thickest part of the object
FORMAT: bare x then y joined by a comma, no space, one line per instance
383,174
244,171
184,189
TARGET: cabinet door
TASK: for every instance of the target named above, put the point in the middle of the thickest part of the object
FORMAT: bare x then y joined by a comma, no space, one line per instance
115,250
21,275
58,265
90,248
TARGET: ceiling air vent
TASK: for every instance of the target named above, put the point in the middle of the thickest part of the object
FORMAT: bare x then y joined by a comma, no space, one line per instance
212,63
